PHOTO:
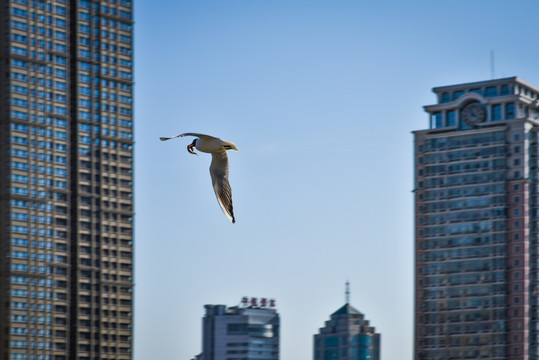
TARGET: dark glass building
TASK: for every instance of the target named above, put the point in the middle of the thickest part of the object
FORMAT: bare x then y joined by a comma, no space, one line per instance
347,336
476,223
66,179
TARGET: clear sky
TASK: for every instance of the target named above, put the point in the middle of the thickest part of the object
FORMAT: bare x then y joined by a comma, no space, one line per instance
320,97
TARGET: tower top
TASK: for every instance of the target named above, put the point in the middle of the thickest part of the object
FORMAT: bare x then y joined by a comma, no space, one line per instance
347,292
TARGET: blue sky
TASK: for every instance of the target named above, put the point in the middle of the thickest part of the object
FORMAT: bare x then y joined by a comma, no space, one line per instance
320,97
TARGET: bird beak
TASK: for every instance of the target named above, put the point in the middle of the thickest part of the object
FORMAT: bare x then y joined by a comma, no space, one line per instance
190,148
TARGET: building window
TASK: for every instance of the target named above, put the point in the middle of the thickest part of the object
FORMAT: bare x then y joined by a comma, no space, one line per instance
505,90
436,120
496,113
451,118
457,94
510,111
491,91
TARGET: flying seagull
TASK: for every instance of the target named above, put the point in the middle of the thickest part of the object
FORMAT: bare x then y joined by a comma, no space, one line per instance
218,168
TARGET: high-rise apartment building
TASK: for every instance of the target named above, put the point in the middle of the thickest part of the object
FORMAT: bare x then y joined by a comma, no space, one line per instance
347,336
476,223
66,172
246,332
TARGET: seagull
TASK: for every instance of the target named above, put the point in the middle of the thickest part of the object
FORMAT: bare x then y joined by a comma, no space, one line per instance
218,168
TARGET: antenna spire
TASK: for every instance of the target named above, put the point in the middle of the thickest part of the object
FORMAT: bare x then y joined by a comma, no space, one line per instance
347,292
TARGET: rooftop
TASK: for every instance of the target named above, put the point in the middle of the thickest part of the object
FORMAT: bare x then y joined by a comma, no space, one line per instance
347,309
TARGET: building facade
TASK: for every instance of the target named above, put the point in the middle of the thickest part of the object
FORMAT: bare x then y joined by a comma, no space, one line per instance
66,179
476,223
347,336
245,332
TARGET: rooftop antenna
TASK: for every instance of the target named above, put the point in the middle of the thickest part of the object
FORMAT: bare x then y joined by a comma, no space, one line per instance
347,292
492,73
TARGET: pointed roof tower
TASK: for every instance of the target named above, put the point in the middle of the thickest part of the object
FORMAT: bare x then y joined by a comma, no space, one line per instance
347,332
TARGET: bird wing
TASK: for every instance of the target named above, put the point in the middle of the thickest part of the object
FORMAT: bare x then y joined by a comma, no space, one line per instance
202,136
221,186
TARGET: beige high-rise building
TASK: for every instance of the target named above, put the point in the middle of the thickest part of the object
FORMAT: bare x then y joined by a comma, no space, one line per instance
66,180
476,223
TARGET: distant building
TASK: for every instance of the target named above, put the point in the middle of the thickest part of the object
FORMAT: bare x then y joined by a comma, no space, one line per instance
347,336
477,223
246,332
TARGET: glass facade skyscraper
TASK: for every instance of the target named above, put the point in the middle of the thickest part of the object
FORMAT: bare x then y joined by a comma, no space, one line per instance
66,179
476,223
347,336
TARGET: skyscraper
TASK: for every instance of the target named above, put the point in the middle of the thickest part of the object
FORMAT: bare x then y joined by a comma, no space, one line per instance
66,175
347,336
246,332
476,223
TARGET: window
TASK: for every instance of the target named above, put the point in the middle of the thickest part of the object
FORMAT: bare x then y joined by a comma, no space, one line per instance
60,48
491,91
237,329
450,118
60,10
510,111
457,94
496,113
436,120
60,23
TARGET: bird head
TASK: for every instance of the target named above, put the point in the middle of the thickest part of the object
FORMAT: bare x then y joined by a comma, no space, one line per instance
229,146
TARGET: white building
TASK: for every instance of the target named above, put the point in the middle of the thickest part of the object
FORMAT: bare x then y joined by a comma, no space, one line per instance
246,332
